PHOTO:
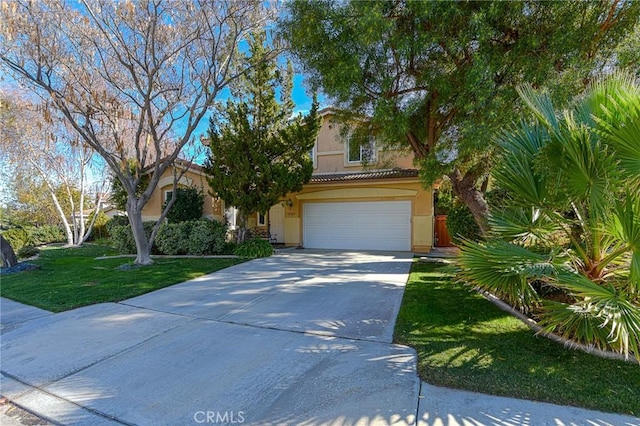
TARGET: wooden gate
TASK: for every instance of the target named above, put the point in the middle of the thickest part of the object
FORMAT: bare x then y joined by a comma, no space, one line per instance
442,238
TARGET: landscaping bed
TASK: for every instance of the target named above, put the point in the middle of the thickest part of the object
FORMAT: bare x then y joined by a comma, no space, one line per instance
465,342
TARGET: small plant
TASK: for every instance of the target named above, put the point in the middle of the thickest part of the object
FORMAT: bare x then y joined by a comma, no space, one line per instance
254,248
28,251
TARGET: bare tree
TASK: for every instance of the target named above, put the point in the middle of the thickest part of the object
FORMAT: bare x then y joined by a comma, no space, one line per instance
133,79
36,142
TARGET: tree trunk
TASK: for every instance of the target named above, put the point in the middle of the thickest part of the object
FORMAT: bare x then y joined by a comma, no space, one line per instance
65,222
242,228
464,188
143,249
7,254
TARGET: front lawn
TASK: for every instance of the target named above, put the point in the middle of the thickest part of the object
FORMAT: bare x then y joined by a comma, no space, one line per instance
71,277
465,342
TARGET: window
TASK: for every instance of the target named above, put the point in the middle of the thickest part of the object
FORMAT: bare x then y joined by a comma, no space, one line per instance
168,195
357,153
262,221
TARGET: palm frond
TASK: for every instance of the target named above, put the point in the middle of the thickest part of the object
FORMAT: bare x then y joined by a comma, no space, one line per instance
516,172
524,226
540,103
608,305
503,269
615,104
625,226
574,322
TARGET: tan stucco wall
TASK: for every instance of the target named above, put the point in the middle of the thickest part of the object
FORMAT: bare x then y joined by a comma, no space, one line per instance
212,208
330,152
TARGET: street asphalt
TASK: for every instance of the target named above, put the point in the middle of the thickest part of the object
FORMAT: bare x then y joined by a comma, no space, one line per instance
300,338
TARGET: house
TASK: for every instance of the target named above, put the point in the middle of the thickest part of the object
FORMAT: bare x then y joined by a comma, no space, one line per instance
349,205
380,205
193,177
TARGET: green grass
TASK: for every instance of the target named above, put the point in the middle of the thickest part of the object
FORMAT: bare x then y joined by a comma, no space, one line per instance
465,342
70,277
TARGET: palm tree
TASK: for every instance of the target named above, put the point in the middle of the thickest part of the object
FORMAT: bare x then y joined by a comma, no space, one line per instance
565,248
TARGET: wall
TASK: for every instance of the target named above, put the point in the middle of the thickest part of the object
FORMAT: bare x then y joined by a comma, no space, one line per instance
331,148
212,208
380,190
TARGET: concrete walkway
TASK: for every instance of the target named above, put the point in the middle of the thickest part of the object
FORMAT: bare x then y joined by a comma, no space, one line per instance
299,338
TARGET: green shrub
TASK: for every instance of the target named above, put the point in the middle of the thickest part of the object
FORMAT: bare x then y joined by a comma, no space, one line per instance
229,247
188,205
254,248
122,236
122,239
99,230
206,237
45,234
173,238
116,221
27,251
461,224
17,237
195,237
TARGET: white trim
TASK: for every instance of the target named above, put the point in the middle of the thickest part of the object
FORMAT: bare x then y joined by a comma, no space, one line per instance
323,153
314,154
374,150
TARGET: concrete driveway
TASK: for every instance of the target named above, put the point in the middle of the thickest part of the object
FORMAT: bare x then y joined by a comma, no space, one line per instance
302,338
299,338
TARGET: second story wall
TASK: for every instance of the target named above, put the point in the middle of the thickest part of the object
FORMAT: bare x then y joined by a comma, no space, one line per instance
331,152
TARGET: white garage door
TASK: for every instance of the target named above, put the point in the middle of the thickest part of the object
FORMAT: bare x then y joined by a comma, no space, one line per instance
376,225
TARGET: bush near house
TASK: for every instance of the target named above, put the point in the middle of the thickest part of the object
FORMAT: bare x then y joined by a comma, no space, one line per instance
254,248
122,236
187,206
194,237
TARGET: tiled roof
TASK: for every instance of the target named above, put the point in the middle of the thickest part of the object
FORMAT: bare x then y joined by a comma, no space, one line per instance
374,174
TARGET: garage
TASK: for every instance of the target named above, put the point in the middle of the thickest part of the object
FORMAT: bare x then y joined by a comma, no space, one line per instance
365,225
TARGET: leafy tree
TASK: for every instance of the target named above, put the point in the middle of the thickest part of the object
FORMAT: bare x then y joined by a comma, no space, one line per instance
188,205
132,79
258,152
50,167
570,223
440,77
